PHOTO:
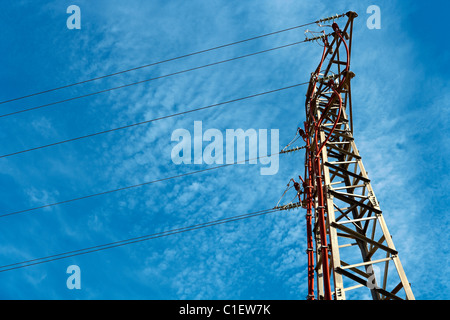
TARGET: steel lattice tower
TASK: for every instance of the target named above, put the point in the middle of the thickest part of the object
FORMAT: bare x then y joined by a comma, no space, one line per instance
348,242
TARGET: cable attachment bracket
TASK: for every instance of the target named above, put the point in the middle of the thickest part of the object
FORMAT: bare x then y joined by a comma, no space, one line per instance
328,78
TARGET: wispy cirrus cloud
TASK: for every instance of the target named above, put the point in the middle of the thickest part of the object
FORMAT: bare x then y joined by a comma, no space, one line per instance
258,258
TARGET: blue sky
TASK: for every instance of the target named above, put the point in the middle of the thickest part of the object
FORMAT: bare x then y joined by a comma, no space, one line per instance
401,111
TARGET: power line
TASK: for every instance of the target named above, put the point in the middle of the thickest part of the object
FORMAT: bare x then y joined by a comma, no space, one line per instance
157,63
152,120
151,79
115,244
133,186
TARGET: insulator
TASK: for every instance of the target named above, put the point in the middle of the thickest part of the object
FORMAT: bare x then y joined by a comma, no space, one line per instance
292,150
318,37
289,206
337,16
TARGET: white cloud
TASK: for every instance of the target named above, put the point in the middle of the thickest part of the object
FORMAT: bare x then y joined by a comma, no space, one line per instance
227,261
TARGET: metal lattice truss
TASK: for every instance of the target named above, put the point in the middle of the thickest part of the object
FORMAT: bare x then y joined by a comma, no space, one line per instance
356,249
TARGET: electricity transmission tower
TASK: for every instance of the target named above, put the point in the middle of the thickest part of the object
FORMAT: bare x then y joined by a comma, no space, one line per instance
348,242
